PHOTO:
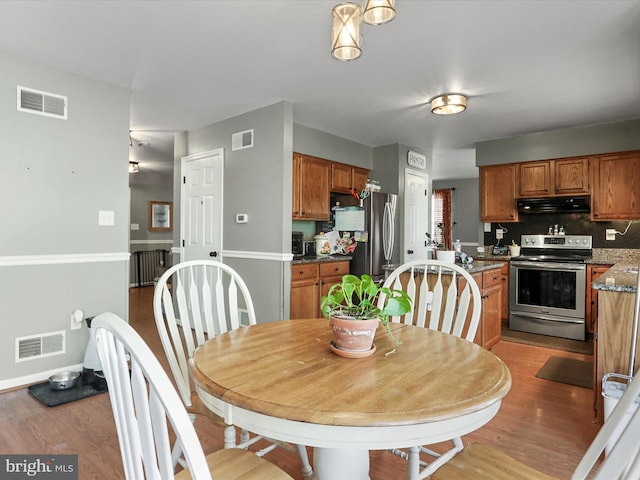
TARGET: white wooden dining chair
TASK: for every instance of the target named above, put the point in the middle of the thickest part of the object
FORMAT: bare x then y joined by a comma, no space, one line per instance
482,462
445,297
192,302
147,410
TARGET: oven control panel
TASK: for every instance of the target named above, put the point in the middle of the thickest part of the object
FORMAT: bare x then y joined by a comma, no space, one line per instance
559,242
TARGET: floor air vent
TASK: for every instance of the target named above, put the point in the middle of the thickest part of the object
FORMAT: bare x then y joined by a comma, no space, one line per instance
38,346
42,103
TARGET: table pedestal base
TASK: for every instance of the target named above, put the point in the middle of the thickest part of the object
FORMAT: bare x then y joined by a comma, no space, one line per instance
340,464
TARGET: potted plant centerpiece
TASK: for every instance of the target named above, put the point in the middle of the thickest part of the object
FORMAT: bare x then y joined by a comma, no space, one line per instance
352,309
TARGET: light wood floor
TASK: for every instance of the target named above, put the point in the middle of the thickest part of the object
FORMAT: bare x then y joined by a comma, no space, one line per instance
545,424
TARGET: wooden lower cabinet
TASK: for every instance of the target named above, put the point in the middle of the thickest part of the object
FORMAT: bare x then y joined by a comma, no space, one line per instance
490,283
591,307
309,282
613,347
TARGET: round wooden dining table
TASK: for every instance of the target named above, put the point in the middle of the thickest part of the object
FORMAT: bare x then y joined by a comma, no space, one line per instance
282,380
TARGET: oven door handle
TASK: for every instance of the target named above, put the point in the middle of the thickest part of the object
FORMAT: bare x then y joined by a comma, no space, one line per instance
537,316
550,265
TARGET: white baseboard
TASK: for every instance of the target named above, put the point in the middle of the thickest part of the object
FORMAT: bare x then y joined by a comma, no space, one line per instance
38,377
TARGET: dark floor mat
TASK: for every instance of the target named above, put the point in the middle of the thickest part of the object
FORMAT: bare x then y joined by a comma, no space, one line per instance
567,370
53,398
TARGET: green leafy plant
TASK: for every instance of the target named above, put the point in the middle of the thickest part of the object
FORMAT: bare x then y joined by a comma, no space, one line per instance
357,298
513,242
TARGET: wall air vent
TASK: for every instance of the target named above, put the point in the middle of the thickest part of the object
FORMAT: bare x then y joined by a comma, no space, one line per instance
39,346
242,140
41,103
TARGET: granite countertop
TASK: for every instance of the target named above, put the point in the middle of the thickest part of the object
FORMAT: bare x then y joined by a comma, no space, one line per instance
599,256
321,258
622,277
476,266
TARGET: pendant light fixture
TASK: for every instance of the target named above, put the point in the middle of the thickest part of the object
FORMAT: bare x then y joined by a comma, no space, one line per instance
345,31
448,104
377,12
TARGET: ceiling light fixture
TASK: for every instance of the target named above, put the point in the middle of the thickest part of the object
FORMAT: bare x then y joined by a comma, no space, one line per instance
345,31
377,12
134,167
448,104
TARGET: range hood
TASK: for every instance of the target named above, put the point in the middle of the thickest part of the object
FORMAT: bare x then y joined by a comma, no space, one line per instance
554,204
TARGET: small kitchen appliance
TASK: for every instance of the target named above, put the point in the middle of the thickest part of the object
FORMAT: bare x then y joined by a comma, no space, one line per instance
297,244
547,285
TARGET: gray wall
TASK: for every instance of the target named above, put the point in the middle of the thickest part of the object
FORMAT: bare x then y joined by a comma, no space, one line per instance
257,181
147,187
465,211
55,175
569,142
320,144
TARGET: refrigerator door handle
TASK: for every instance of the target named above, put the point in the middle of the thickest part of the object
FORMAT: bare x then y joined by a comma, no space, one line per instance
387,231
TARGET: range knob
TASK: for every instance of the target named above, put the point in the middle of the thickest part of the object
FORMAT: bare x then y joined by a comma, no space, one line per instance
569,241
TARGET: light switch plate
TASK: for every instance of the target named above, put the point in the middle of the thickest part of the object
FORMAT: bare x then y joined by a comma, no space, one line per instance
611,234
106,218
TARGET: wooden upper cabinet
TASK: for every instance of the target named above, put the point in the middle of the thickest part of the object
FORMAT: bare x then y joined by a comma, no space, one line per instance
615,186
311,187
535,179
566,176
360,177
345,177
498,187
572,176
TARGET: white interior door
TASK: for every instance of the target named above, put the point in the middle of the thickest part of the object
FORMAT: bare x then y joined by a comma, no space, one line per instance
416,215
201,205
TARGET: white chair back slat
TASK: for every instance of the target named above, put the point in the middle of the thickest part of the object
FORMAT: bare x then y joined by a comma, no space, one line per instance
450,306
461,314
171,340
144,403
207,305
425,296
195,309
145,425
411,291
160,434
436,303
220,310
234,313
184,299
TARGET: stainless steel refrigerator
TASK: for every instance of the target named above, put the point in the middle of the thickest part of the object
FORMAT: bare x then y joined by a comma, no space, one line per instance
378,220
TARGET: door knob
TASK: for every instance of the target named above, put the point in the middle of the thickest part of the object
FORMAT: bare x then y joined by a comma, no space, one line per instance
410,252
213,254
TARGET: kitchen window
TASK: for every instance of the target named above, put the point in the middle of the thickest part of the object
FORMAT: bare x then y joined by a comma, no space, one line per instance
441,217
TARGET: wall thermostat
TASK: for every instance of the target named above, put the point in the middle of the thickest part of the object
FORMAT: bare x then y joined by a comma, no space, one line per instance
242,218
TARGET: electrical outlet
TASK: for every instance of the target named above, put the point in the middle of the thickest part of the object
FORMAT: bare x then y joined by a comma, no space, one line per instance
611,234
499,233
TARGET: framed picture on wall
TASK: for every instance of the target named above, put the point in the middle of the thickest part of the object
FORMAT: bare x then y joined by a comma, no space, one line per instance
160,216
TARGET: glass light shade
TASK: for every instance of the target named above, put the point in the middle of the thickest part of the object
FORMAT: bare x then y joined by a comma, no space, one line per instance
345,31
377,12
448,104
134,167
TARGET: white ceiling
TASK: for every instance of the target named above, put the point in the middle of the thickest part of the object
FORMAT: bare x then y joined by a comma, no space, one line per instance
527,66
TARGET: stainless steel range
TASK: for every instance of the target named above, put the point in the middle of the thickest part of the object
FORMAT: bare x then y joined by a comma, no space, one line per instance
547,285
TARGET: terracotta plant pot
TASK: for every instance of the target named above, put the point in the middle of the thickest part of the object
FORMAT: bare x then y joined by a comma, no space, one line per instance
353,336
